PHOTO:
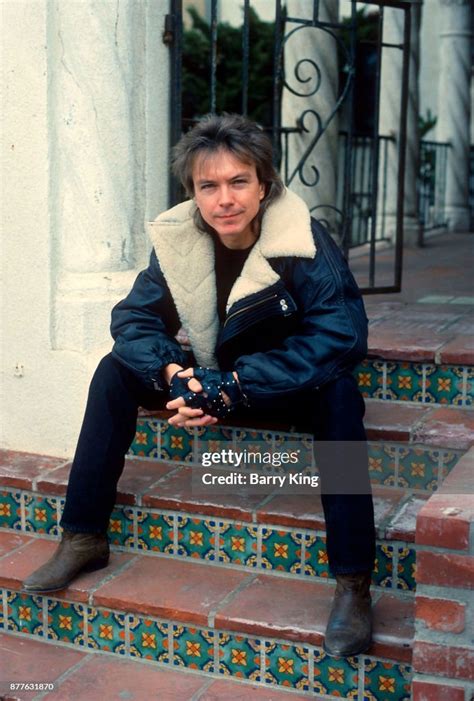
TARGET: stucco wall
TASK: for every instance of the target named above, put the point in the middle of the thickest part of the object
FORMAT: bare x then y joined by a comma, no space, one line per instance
55,321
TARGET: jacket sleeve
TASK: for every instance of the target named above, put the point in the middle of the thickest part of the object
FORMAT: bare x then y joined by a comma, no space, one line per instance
331,337
143,327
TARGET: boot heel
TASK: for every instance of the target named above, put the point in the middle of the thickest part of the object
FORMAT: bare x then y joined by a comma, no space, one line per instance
97,565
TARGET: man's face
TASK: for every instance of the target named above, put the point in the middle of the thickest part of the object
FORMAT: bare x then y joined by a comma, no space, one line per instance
228,195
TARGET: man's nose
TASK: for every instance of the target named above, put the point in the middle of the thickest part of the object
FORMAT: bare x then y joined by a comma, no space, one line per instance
225,196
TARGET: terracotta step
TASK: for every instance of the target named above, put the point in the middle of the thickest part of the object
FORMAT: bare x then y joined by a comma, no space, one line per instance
419,352
77,675
384,421
211,619
278,532
399,434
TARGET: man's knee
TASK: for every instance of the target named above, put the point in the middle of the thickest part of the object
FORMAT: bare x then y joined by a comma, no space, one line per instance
108,371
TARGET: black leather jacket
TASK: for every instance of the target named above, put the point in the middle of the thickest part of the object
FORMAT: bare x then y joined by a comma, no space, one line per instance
297,334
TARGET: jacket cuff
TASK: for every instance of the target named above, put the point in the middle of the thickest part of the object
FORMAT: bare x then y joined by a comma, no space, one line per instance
156,375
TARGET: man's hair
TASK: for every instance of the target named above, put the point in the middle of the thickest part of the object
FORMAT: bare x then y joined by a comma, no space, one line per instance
236,134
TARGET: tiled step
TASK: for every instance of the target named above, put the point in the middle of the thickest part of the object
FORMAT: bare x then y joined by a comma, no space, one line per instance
415,381
398,435
159,512
78,675
255,627
419,353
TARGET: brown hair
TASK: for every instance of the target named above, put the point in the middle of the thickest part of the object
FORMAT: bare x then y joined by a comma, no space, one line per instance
240,136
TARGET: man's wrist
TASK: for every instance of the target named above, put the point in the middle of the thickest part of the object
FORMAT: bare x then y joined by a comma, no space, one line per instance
170,370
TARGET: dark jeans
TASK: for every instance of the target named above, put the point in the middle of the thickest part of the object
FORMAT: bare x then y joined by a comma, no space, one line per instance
333,414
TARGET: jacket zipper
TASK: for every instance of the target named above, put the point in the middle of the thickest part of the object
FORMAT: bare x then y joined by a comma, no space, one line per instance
250,306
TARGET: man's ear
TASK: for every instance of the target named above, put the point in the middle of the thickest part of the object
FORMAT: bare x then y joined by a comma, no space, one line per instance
261,193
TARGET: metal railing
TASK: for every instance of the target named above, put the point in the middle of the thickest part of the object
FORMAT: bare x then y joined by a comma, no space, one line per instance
361,186
432,184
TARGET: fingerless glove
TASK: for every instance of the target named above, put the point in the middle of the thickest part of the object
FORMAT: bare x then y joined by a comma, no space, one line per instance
210,399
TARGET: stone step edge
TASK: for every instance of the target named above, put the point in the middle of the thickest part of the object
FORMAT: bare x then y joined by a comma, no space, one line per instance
88,592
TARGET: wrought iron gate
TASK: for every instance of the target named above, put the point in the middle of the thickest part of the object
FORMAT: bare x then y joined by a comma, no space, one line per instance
355,209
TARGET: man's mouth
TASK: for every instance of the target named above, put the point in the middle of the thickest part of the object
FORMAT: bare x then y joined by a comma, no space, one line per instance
228,216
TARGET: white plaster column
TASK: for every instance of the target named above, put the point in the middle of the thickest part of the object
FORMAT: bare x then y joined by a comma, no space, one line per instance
98,68
454,118
315,80
85,124
389,123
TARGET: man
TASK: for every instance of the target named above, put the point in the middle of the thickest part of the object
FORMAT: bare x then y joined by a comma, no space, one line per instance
276,324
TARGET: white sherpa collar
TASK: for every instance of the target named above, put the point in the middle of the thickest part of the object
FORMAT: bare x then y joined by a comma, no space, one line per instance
186,258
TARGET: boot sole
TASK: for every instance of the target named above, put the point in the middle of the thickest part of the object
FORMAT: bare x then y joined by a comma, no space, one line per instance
351,653
91,567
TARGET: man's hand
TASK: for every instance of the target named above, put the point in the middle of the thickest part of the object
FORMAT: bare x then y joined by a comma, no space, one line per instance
187,416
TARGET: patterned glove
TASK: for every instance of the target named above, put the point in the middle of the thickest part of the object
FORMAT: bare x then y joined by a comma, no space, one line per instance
210,399
214,382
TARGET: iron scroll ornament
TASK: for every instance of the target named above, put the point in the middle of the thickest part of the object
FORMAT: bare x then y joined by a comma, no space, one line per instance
308,173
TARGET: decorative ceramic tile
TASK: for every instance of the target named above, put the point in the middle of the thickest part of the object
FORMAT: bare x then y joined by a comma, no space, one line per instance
369,376
239,656
381,463
281,439
25,613
335,676
386,681
148,639
66,622
196,537
121,527
267,437
10,510
418,468
404,382
145,441
155,531
106,630
238,544
212,439
383,570
448,459
469,393
444,384
193,648
176,443
287,665
281,550
306,447
316,562
406,568
41,514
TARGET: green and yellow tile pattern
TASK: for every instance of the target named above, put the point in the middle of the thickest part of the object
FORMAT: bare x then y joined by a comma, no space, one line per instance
426,383
269,662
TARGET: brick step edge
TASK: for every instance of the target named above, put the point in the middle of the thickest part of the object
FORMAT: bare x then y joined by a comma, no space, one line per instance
423,426
294,548
266,621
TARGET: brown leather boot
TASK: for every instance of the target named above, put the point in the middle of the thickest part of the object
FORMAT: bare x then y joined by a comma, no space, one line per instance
349,629
77,552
